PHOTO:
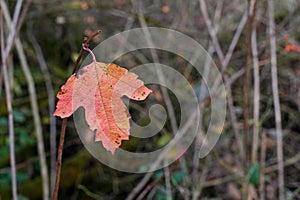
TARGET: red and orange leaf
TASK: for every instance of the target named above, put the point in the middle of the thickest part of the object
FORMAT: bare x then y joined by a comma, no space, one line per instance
98,88
291,47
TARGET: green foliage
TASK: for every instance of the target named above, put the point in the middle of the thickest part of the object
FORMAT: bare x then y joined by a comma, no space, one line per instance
23,133
178,177
4,150
253,174
158,174
5,178
89,193
21,197
161,195
3,124
164,139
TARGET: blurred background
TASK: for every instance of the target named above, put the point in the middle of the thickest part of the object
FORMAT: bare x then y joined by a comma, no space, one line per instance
257,155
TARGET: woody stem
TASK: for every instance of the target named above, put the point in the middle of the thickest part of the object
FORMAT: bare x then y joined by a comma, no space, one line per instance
64,122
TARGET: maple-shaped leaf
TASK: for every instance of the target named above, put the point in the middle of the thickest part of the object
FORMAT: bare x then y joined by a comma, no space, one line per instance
98,88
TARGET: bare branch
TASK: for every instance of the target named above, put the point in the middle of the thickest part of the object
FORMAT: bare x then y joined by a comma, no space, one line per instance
5,50
199,187
13,27
256,77
211,30
233,118
234,41
160,75
168,183
10,114
34,106
146,178
276,99
262,166
51,102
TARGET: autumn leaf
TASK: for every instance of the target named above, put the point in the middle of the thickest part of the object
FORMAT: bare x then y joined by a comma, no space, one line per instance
98,88
290,47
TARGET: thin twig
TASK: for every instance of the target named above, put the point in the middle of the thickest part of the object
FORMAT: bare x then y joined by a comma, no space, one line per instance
256,77
166,97
161,78
246,92
288,162
36,118
234,41
212,33
199,137
64,121
34,106
276,99
223,59
23,15
168,183
59,157
13,27
211,30
233,117
148,188
234,177
51,103
262,166
199,186
217,16
146,178
86,42
222,180
5,53
10,115
139,187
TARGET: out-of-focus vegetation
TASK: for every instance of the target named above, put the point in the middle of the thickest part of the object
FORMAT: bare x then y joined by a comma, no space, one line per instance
59,27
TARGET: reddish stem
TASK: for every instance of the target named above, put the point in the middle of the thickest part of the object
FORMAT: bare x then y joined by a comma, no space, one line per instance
90,51
59,157
64,122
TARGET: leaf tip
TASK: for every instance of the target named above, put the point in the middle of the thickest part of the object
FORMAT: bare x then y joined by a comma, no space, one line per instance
141,93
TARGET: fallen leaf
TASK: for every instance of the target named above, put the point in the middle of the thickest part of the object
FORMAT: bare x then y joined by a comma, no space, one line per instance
98,88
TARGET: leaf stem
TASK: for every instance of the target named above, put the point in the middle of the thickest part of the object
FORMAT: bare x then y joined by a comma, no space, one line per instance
64,122
86,48
85,42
